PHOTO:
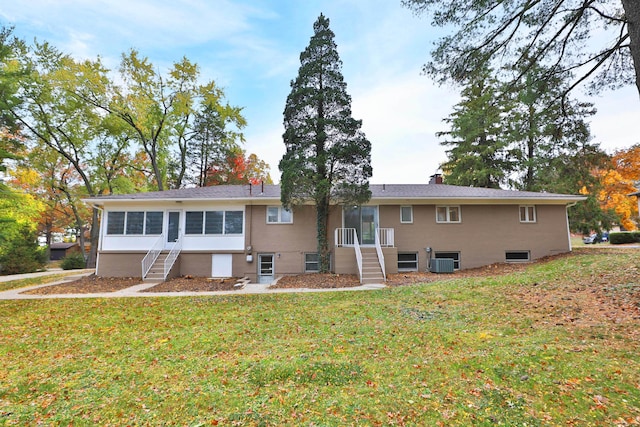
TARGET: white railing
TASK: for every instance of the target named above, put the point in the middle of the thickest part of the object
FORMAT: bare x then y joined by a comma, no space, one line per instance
379,251
356,247
171,258
386,237
152,255
345,236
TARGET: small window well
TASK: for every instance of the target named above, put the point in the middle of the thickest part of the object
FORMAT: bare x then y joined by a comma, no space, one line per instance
518,256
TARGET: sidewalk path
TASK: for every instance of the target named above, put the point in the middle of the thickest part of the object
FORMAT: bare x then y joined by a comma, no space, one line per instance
136,290
49,272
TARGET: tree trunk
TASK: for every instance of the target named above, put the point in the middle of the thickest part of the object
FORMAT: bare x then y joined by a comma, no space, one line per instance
93,238
632,13
324,256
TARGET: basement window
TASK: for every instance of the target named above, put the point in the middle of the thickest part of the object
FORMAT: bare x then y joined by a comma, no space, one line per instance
455,256
311,263
518,256
408,261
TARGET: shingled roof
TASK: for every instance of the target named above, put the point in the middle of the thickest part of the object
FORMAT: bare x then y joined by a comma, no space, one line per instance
380,192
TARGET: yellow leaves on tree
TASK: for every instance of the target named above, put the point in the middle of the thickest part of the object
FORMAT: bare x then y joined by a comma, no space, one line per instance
620,181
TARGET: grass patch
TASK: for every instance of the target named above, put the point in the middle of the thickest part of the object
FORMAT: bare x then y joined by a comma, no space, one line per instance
491,351
23,283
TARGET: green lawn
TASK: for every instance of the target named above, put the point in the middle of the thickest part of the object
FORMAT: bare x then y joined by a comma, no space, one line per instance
523,350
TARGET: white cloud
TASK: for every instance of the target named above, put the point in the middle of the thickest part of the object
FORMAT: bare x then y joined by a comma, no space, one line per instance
401,117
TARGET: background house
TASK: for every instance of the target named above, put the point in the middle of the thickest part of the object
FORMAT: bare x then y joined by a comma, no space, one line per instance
57,251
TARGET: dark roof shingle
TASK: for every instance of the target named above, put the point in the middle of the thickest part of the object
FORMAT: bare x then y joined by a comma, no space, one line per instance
379,191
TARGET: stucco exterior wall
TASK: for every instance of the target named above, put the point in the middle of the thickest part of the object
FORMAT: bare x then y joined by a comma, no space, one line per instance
287,242
120,264
484,235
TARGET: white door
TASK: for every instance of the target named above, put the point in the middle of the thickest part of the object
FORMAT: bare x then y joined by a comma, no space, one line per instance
173,228
265,268
221,265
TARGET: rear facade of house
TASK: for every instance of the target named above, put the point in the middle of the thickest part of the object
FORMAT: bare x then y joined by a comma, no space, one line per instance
243,231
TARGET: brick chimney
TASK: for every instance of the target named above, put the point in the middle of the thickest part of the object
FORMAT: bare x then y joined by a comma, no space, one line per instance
435,179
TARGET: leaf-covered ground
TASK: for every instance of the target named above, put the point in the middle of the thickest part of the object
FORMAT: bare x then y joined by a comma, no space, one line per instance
553,344
94,284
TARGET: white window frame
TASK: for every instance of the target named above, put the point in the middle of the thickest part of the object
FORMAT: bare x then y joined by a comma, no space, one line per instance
124,231
410,210
225,231
404,262
307,262
449,209
280,220
527,214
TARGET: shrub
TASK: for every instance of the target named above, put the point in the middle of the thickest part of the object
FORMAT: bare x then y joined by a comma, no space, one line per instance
73,262
624,237
22,254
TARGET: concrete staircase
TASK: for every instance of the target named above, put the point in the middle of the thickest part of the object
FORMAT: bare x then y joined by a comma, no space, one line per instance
156,273
371,271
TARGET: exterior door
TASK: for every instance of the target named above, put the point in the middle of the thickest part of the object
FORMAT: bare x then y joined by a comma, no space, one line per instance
173,227
365,220
265,268
222,265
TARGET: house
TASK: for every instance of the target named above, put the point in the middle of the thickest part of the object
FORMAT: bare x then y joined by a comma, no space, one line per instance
243,231
57,251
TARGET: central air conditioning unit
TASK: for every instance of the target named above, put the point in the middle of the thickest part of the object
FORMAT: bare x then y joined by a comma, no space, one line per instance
441,265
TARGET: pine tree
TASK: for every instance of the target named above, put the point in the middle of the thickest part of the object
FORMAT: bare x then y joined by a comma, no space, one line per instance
328,158
478,156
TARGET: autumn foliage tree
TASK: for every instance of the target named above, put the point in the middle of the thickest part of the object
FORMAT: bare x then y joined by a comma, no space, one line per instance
618,182
237,168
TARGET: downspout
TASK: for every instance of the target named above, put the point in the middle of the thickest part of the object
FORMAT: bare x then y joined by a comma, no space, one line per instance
568,229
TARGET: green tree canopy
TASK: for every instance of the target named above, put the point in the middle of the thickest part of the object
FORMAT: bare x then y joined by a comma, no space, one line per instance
328,158
478,155
599,40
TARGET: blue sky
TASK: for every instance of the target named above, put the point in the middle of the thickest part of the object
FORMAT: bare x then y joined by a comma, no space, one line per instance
251,48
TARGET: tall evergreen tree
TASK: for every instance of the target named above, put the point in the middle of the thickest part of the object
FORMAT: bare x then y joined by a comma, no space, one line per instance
328,157
478,155
542,127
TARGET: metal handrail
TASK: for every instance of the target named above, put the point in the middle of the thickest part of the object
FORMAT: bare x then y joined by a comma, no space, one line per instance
380,254
151,256
171,258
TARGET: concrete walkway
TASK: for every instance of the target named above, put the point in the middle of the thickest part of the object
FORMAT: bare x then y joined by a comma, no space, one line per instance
136,290
49,272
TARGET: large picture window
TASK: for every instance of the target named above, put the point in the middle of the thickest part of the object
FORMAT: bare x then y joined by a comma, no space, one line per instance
134,223
214,222
448,214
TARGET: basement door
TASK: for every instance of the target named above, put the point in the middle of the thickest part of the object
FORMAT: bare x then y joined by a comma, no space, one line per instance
265,268
221,265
